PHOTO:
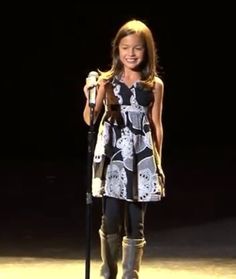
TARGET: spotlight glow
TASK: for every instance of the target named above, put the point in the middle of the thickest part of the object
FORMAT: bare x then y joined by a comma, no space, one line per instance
171,268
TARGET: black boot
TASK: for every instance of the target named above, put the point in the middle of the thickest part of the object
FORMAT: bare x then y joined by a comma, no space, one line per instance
132,252
110,247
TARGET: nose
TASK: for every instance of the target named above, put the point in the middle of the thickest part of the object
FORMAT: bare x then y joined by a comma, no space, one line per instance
131,51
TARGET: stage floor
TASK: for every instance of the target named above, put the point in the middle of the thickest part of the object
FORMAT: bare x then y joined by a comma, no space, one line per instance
198,252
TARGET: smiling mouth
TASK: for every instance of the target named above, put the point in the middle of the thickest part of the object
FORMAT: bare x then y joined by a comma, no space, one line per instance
131,60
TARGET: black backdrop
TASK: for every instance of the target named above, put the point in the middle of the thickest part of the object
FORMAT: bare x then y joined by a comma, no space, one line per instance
48,50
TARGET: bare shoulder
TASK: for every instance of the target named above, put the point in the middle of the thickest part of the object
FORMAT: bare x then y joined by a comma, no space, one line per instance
159,86
103,83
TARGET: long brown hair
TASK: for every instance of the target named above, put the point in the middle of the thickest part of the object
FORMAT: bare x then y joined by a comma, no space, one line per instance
148,66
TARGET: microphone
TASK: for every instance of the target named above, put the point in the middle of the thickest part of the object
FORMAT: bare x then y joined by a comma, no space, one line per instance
92,79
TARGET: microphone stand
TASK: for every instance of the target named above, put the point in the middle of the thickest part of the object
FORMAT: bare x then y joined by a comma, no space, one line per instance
91,145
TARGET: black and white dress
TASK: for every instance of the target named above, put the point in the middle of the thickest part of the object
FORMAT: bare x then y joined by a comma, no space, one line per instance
125,163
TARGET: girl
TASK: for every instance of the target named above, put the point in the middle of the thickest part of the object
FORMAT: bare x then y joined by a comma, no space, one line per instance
127,170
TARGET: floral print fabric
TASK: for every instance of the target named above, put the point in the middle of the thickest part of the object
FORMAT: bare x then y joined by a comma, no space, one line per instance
124,165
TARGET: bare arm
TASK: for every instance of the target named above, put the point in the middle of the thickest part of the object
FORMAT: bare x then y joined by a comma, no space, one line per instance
101,92
156,115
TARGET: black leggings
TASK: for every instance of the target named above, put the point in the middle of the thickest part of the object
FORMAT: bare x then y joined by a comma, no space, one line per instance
133,213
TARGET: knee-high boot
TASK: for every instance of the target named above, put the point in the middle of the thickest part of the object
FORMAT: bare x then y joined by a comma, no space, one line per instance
132,253
110,247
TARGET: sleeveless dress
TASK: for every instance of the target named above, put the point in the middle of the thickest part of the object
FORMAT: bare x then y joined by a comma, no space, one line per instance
125,164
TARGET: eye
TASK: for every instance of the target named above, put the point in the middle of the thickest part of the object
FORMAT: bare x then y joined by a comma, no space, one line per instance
139,48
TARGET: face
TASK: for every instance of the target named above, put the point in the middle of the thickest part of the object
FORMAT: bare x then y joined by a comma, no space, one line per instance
131,51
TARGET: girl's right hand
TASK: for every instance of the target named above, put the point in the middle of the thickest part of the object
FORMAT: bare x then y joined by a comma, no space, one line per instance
90,83
86,91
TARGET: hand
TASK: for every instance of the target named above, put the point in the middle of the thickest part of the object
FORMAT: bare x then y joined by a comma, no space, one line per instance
90,83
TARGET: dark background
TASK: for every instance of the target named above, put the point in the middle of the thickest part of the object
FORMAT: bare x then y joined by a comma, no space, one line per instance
47,51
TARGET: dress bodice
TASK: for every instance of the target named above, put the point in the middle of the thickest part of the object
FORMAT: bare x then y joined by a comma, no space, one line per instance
134,96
